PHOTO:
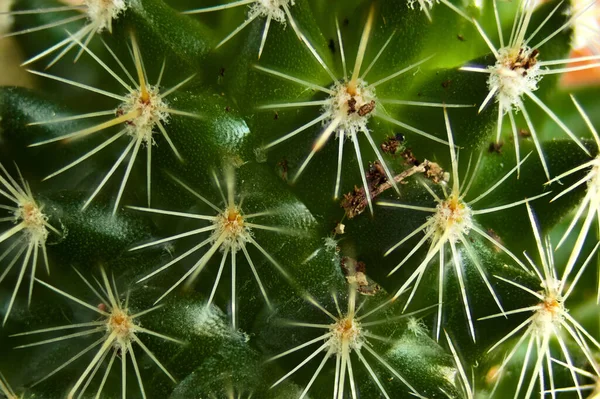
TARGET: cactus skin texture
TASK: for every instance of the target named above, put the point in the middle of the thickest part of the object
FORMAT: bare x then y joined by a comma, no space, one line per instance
288,199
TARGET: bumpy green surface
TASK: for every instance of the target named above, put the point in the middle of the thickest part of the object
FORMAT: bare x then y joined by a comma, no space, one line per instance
213,357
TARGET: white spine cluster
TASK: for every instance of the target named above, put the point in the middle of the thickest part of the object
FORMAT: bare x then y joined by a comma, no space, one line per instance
149,110
270,8
515,72
353,110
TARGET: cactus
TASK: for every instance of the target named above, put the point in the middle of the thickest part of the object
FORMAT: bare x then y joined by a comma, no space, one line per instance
180,217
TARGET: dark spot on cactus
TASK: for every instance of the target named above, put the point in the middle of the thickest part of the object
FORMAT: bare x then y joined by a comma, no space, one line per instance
446,83
355,273
524,133
346,22
496,238
460,37
227,108
276,115
351,105
525,61
376,174
331,46
409,157
496,147
283,169
222,72
393,144
120,112
366,108
389,146
434,172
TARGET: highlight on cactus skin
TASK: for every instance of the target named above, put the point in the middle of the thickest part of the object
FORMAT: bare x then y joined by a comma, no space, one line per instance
273,10
347,334
550,320
27,228
230,231
452,221
99,16
142,110
476,277
119,329
519,68
351,103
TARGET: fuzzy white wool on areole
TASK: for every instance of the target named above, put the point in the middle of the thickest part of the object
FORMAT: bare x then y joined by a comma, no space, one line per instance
102,12
35,221
551,310
453,217
514,73
120,323
270,8
230,225
346,107
149,111
345,335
